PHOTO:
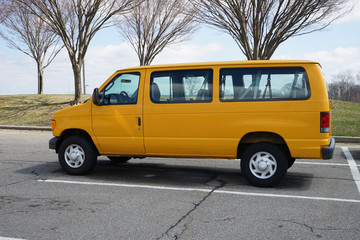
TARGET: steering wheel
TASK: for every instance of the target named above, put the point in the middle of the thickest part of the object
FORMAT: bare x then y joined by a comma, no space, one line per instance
124,97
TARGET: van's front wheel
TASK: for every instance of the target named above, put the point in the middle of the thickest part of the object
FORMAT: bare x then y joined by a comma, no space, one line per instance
263,164
77,156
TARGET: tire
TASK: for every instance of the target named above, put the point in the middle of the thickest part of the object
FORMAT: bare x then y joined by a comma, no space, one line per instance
77,155
119,159
291,162
264,164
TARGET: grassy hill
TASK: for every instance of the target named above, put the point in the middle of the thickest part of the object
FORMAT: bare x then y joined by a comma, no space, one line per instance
32,110
36,110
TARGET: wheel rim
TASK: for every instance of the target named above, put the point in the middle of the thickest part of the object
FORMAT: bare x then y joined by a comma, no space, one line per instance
74,156
263,165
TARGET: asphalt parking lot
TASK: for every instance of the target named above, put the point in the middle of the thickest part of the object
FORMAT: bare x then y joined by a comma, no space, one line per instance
158,198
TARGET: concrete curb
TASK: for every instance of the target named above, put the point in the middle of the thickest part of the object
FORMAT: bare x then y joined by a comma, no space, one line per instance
338,139
31,128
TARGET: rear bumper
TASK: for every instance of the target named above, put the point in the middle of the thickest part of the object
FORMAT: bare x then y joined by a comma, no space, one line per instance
328,152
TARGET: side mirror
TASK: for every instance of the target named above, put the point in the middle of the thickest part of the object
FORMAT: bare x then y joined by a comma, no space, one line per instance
96,97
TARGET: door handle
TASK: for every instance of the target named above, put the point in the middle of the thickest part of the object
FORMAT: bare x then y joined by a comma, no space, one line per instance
139,121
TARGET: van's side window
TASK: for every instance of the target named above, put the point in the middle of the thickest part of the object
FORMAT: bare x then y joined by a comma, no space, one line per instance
256,84
123,89
181,86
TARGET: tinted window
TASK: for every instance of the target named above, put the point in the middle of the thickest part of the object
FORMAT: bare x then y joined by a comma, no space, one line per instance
246,84
181,86
123,89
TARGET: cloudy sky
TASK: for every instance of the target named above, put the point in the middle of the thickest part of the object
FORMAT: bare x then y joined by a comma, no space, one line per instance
337,48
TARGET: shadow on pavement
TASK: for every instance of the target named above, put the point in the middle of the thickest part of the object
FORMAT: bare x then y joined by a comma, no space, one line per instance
175,173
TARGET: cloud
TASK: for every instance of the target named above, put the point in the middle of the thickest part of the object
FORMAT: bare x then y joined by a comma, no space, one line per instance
337,60
183,53
334,61
118,56
15,75
338,55
353,15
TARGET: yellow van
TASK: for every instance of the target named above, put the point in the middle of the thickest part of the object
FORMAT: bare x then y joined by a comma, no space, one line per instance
266,113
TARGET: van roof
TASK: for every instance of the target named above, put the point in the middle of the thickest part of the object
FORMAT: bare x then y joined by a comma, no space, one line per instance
227,63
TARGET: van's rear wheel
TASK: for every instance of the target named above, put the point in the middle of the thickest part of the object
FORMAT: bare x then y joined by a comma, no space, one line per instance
264,164
77,155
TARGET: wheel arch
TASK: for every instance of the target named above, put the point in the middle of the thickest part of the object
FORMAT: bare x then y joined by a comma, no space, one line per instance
256,137
76,132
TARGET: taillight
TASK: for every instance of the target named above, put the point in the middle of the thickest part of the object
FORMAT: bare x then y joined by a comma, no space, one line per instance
324,122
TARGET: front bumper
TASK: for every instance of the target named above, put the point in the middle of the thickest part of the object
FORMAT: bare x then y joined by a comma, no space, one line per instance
328,152
54,143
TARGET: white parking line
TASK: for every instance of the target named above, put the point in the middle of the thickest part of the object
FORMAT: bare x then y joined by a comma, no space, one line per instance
288,196
325,164
319,163
126,185
201,190
6,238
354,170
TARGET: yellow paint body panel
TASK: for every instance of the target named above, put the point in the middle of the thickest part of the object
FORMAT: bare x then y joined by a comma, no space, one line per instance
202,129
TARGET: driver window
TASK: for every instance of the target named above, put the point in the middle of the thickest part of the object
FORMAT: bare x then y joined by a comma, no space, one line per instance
123,89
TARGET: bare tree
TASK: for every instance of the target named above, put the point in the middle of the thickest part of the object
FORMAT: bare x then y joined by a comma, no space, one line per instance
29,34
2,11
76,22
345,86
260,26
155,24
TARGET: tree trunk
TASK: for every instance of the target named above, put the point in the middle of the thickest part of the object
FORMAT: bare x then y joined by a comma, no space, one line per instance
40,78
77,81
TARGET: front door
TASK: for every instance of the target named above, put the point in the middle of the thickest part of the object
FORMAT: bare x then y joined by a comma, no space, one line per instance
117,123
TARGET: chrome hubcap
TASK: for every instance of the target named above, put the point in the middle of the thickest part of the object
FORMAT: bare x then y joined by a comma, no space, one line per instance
263,165
74,156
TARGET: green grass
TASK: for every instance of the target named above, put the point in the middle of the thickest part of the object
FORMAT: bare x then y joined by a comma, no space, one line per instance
37,110
346,119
